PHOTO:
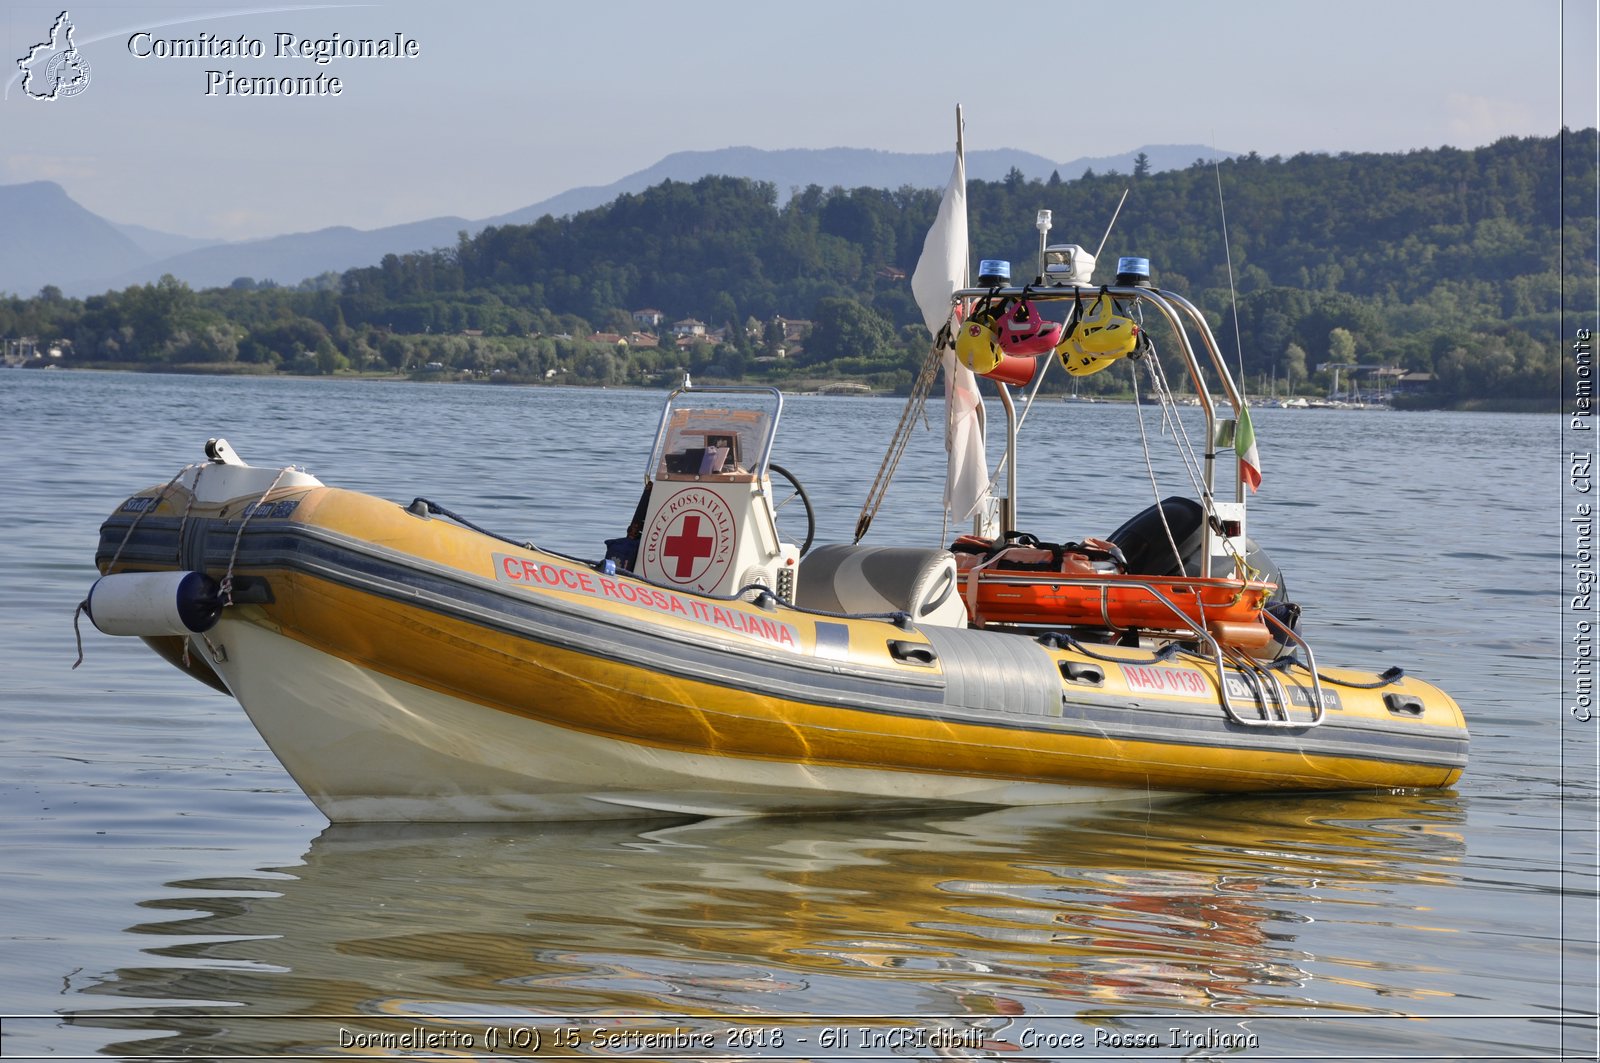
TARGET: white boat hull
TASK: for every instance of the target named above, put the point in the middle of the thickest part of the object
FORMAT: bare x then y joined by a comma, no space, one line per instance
367,747
408,669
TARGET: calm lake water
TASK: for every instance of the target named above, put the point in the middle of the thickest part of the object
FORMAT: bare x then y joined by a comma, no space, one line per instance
167,891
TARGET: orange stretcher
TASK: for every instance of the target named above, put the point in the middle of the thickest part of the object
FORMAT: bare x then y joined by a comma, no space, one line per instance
1078,586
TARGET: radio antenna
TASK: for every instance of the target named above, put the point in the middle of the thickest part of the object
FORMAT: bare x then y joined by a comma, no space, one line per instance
1111,223
1039,379
1233,296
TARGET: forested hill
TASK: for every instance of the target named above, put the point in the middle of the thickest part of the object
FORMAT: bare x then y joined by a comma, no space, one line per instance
1441,261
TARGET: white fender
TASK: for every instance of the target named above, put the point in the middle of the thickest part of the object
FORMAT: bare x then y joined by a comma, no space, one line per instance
154,603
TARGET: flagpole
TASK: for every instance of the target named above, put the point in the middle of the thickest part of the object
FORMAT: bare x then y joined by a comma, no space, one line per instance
942,270
961,155
980,519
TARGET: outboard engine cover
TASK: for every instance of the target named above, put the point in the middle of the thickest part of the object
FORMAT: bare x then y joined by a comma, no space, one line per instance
1143,540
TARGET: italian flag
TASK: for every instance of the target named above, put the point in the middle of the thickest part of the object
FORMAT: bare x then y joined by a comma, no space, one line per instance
1244,444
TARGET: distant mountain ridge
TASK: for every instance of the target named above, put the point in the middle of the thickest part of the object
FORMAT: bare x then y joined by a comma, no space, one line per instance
160,245
51,239
55,241
792,168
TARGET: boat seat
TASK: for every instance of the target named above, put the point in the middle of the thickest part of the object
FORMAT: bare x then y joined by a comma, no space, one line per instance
846,578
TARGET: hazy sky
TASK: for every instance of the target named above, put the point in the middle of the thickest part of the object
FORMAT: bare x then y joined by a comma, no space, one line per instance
508,103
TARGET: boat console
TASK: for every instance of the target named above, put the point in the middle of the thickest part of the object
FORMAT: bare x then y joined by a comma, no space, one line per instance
708,522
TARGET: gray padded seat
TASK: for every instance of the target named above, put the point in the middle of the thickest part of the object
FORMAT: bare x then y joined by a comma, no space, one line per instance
844,578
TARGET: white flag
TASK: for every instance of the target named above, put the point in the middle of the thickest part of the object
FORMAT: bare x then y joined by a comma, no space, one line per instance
943,265
966,484
940,271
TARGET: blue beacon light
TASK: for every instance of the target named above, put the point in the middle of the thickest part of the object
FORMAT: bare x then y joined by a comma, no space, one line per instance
1133,272
994,272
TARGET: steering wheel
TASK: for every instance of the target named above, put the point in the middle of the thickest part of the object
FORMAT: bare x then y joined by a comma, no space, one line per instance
779,501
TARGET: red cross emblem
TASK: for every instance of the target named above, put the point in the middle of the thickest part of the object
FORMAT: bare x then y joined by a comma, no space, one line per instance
688,546
690,540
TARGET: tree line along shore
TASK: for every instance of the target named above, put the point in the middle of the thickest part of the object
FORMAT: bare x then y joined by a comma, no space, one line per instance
1437,278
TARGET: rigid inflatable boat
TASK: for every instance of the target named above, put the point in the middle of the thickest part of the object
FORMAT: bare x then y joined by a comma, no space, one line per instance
404,664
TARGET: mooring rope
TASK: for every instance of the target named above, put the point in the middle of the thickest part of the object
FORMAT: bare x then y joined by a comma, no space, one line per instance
227,579
161,496
915,403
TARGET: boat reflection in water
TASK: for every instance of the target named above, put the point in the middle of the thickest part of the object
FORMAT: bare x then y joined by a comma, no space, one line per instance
1222,912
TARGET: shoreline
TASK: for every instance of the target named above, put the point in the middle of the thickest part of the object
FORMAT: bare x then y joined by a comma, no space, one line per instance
808,387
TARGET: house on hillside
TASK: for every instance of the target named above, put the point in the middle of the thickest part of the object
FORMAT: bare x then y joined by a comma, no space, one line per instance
1414,384
648,318
18,351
